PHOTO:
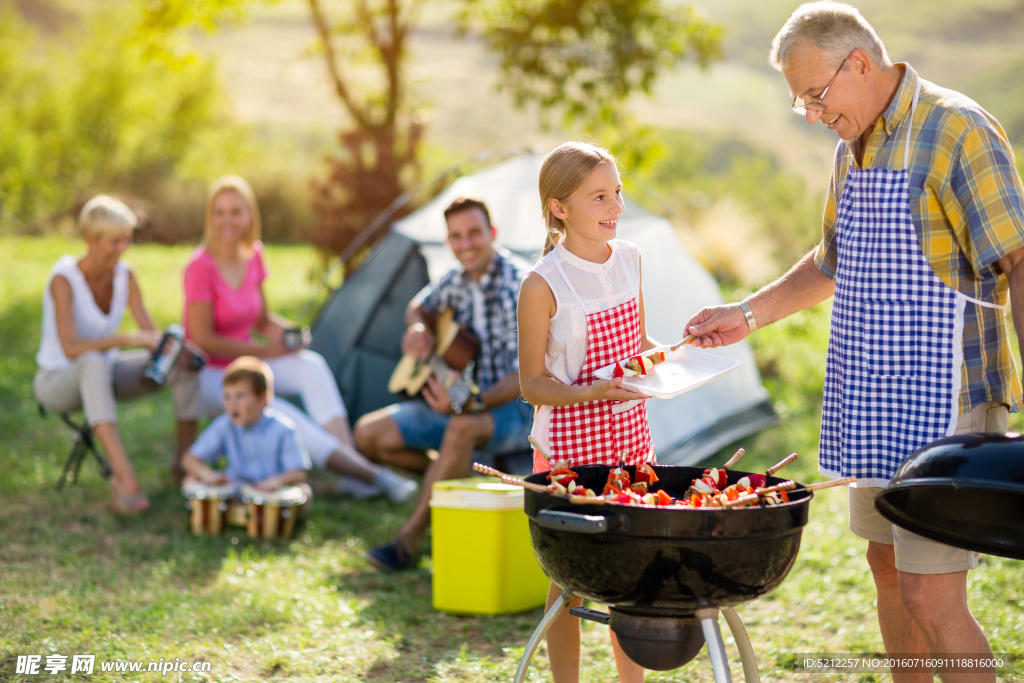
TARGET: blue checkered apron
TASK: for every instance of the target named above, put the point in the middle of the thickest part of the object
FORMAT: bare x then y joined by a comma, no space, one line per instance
892,377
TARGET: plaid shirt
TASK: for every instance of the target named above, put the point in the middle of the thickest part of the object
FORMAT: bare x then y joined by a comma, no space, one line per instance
499,352
967,205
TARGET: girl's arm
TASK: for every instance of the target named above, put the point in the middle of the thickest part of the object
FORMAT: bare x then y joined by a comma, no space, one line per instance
535,310
67,330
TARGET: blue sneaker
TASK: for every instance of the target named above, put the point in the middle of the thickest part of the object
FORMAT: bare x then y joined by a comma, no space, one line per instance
391,557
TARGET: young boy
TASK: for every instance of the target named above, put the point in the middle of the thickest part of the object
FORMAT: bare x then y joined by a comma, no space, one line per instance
261,447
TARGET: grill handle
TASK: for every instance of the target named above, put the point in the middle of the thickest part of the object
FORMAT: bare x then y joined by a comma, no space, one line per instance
559,520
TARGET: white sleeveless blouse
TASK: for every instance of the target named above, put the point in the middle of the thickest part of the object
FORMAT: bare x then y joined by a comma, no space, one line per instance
90,321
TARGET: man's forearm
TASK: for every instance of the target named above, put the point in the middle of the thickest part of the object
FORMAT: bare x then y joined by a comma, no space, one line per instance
502,391
801,287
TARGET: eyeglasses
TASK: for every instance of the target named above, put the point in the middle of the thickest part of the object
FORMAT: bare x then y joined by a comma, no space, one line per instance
802,106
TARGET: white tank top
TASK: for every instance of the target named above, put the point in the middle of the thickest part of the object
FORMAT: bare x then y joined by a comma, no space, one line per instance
90,321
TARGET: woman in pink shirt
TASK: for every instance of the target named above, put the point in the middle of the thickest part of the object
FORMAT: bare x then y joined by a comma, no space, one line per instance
226,315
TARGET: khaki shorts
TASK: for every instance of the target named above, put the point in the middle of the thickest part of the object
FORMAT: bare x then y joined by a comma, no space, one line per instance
916,554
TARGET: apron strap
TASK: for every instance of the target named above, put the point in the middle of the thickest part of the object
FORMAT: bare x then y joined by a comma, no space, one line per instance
910,126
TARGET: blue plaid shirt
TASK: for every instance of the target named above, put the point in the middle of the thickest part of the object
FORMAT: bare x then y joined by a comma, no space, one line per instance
499,351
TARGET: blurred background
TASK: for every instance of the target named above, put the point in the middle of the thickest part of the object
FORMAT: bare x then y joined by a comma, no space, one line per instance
153,99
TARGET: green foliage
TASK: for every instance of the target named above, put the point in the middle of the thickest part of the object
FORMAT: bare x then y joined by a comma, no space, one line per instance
94,114
696,171
584,59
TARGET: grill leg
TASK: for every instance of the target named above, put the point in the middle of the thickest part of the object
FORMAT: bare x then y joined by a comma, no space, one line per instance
739,634
716,648
538,635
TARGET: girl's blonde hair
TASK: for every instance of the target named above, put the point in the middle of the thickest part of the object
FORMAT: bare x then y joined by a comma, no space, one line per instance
564,169
239,185
104,215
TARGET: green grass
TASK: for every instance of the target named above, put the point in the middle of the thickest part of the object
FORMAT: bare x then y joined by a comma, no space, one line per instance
77,579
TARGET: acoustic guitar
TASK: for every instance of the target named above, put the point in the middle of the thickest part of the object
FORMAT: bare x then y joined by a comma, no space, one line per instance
455,347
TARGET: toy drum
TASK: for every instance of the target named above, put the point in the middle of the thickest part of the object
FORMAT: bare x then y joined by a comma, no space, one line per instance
209,505
272,514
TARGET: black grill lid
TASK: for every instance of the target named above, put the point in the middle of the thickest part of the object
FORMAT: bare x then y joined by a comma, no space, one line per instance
966,491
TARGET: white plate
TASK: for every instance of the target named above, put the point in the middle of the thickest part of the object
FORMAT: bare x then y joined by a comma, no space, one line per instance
684,369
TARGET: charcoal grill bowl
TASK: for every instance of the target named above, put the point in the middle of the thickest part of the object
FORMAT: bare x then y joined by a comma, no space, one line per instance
665,561
966,491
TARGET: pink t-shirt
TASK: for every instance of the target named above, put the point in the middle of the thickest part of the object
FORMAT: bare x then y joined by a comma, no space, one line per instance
235,311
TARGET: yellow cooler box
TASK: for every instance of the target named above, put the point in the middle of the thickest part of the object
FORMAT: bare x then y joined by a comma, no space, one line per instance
483,558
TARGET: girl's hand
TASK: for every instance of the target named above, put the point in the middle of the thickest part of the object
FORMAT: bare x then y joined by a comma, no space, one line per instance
612,390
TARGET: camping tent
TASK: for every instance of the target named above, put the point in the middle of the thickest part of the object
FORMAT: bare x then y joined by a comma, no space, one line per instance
360,328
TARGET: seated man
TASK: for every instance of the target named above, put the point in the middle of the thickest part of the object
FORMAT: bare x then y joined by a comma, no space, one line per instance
261,447
483,294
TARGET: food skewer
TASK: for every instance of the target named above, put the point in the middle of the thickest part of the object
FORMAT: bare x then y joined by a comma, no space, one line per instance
779,465
685,340
734,459
784,486
518,481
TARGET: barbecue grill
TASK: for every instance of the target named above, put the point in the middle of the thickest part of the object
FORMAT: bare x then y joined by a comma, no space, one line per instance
665,573
965,491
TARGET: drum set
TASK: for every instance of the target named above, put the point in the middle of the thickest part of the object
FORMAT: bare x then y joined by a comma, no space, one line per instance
264,514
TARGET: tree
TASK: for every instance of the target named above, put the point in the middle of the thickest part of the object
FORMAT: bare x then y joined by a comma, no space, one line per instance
582,58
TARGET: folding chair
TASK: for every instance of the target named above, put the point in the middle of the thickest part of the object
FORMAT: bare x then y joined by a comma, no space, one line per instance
81,448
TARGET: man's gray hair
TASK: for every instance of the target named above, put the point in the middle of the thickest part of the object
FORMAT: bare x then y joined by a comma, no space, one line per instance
834,27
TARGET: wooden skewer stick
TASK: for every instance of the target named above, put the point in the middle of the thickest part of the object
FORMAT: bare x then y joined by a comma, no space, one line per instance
784,486
830,484
508,478
517,481
779,465
742,500
685,340
734,459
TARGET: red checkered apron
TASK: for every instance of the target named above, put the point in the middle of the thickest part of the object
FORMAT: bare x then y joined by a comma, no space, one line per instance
600,432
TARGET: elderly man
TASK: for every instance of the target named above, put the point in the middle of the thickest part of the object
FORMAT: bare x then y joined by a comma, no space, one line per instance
483,293
923,238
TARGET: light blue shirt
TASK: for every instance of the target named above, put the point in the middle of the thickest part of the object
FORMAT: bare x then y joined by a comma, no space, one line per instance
266,449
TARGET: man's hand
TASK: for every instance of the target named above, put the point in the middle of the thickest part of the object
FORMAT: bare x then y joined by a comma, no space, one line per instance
418,341
437,397
718,326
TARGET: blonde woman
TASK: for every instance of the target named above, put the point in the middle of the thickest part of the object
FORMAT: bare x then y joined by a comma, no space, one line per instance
82,359
226,315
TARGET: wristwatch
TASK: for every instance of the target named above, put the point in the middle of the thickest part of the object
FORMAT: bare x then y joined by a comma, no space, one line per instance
749,315
475,404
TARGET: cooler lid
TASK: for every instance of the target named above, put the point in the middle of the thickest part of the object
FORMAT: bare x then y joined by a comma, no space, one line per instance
476,493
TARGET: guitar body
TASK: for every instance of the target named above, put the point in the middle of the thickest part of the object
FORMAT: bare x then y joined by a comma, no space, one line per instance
455,347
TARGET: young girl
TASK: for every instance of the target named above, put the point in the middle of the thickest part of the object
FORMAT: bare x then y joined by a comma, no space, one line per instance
582,308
